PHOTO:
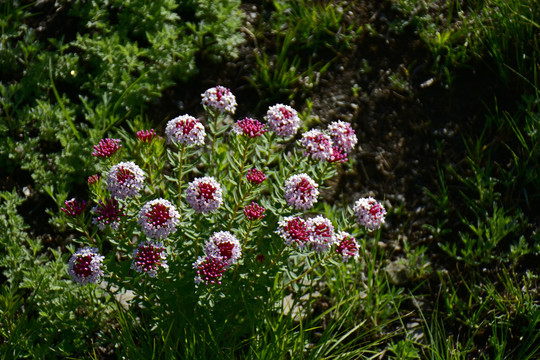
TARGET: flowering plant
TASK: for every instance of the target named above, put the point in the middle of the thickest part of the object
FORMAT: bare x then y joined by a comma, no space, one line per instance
216,210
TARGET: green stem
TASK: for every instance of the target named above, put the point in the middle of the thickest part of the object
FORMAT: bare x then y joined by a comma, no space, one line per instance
243,165
239,187
180,166
320,176
278,256
198,236
244,244
308,270
82,226
214,136
237,206
149,165
247,235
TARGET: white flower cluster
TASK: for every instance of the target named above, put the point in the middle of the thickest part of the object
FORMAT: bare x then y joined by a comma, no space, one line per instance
219,98
316,233
293,230
158,218
185,130
85,265
342,135
317,144
125,179
301,191
369,213
283,120
204,194
225,246
347,246
321,233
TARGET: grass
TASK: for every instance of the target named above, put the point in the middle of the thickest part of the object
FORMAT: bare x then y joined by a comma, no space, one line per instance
470,293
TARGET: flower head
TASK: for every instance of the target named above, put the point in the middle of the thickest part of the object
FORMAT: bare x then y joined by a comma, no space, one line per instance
209,270
146,136
108,213
73,208
317,144
293,230
338,155
149,257
249,127
255,176
204,195
106,147
253,211
158,218
219,98
125,179
223,245
342,135
347,246
301,191
185,130
85,265
283,120
369,213
321,233
92,180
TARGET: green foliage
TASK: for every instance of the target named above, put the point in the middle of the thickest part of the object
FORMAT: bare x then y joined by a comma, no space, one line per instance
318,25
42,312
314,33
63,94
501,34
506,31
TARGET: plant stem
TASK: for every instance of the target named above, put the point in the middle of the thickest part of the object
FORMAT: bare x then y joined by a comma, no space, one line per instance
239,187
307,271
198,236
243,249
214,135
246,238
237,206
180,166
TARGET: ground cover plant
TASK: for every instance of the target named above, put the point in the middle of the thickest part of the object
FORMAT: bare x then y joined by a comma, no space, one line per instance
443,100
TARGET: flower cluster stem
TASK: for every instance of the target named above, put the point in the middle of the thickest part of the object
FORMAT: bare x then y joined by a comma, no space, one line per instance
308,270
214,136
180,166
240,181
